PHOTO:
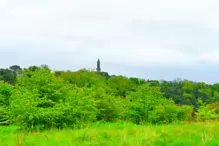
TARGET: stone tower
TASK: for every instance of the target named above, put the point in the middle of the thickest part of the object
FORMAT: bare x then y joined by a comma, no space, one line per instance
98,66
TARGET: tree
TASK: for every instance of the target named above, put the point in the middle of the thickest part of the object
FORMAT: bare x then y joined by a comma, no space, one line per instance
15,68
42,100
85,78
143,101
121,85
5,94
8,76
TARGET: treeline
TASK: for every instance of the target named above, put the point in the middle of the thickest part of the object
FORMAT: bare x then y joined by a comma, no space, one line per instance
37,97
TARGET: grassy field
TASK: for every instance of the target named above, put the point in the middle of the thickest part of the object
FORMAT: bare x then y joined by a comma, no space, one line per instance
118,134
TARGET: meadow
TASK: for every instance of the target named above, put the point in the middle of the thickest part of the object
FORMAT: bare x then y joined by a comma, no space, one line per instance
117,134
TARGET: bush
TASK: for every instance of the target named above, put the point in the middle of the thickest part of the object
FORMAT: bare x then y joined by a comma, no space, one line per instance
4,119
5,93
44,101
109,108
169,112
83,78
149,106
184,113
204,113
142,103
120,85
162,114
214,106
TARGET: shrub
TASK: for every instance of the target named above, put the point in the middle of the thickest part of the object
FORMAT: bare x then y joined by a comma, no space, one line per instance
184,113
4,119
162,114
83,78
120,85
44,101
169,112
149,106
204,113
215,106
109,108
142,102
5,93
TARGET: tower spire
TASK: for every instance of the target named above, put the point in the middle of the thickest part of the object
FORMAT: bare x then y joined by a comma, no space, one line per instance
98,65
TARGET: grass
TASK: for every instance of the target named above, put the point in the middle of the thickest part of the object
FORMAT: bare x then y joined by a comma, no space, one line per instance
117,134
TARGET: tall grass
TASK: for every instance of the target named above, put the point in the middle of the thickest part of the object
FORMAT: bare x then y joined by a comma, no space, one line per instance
117,134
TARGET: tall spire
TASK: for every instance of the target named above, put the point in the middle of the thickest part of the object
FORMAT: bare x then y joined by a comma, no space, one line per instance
98,65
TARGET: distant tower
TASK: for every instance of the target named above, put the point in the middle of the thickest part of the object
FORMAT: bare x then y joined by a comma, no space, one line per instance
98,66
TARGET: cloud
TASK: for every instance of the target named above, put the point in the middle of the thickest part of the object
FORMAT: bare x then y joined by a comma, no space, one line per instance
125,34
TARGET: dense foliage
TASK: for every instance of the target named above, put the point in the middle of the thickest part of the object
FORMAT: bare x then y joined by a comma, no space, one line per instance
36,97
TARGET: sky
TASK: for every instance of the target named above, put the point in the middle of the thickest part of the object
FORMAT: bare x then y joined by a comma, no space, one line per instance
150,39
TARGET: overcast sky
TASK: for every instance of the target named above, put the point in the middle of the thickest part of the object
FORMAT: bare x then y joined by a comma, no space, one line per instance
155,39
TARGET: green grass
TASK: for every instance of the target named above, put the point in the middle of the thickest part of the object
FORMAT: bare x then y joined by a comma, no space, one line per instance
118,134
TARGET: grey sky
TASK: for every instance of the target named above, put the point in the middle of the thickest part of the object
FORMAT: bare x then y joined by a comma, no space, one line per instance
156,39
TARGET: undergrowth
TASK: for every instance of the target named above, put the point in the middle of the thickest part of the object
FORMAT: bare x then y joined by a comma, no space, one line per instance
118,134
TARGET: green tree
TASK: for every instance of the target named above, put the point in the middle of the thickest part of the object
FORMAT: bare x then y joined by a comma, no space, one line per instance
142,102
204,113
8,76
121,85
84,78
41,100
